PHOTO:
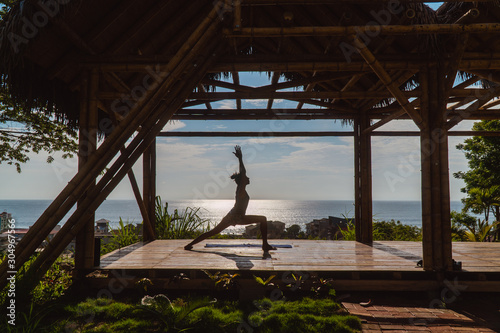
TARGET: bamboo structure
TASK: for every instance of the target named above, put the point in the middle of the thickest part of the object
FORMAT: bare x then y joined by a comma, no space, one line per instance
139,66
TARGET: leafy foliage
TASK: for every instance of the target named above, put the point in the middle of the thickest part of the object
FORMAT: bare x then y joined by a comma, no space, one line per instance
395,230
224,281
125,235
179,225
468,228
22,133
387,230
294,232
482,180
263,282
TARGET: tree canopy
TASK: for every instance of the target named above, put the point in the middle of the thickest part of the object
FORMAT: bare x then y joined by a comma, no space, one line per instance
22,133
482,180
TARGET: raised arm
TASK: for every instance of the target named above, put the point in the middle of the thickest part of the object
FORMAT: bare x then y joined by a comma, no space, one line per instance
239,155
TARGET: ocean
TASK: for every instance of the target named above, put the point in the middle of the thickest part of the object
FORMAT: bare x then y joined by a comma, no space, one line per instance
26,212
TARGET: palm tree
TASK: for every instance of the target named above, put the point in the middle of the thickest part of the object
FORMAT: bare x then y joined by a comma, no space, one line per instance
482,200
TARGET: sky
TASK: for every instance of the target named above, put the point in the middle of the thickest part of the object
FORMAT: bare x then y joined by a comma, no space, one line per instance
279,168
302,168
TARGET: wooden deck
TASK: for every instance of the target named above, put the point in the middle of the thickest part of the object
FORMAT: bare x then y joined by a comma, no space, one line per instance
346,261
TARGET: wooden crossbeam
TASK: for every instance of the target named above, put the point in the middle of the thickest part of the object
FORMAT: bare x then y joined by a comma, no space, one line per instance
261,134
252,64
337,2
400,96
293,95
269,32
482,99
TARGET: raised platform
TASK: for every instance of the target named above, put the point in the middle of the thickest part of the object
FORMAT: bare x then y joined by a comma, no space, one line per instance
383,266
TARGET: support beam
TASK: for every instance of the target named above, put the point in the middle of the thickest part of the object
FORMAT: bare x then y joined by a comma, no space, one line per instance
382,74
268,32
436,224
84,241
149,185
148,231
363,181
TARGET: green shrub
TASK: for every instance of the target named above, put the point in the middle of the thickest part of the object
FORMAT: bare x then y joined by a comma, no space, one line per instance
126,234
179,225
396,231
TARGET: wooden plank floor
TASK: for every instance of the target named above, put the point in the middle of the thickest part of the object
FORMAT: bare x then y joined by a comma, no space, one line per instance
296,255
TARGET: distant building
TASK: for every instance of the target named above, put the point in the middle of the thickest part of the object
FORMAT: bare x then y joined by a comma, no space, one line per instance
4,221
329,228
275,230
102,226
19,233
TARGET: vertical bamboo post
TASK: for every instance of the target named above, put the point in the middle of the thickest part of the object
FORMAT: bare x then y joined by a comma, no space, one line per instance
152,187
149,185
357,181
146,169
84,241
436,225
363,180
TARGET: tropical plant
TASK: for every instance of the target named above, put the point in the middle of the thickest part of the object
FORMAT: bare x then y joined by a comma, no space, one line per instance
483,155
224,281
349,233
125,235
395,230
263,282
386,230
480,231
482,200
323,287
294,232
468,228
179,225
56,281
459,221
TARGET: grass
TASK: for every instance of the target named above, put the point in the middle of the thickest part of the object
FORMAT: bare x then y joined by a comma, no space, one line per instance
197,315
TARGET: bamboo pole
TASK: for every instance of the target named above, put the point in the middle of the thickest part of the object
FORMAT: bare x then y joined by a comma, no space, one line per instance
152,186
84,242
66,199
316,134
147,227
248,63
293,95
338,2
425,147
340,31
358,215
444,221
400,96
434,157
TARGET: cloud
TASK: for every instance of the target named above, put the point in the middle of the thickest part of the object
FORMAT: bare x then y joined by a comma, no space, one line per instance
227,104
173,125
311,155
174,153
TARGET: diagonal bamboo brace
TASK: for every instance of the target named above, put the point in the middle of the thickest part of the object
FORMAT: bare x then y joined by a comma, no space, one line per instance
387,80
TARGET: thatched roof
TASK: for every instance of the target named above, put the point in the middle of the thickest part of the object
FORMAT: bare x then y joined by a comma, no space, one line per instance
43,67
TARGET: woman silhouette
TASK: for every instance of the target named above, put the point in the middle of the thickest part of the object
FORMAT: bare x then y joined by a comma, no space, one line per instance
237,214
